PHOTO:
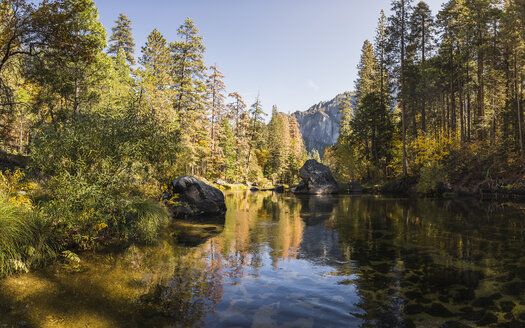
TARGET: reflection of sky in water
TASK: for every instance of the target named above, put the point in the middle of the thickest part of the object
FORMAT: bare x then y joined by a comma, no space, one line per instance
296,293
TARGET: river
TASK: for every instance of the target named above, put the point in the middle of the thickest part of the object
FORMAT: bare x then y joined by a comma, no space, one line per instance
286,261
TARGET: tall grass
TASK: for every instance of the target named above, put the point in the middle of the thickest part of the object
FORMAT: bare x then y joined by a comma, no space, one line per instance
26,239
146,219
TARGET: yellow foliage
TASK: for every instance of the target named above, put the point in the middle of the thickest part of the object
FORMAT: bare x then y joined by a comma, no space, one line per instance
427,149
13,185
101,226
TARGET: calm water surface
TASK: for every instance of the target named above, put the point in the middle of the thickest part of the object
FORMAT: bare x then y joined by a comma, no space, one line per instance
282,261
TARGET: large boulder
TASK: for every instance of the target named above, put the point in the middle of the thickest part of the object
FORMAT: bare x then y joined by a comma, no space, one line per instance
316,179
192,197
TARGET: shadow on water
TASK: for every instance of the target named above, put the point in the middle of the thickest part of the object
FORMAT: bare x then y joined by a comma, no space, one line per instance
279,260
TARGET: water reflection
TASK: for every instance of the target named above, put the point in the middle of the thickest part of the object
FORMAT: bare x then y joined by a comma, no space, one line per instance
298,262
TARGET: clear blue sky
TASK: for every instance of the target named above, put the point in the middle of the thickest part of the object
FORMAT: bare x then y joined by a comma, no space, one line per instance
296,52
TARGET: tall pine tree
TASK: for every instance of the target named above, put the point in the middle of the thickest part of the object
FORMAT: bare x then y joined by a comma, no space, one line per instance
155,79
188,73
398,30
216,90
122,39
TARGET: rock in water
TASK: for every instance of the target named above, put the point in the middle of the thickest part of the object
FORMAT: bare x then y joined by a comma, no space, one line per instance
195,198
316,179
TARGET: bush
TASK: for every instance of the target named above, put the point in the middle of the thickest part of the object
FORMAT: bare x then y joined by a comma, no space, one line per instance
431,175
103,173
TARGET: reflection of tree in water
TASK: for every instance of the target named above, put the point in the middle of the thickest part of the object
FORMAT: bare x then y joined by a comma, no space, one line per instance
192,291
259,221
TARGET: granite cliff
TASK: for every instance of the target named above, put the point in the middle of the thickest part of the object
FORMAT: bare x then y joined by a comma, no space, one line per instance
319,124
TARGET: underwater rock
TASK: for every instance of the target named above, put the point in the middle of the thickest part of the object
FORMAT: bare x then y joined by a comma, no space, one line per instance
412,309
507,306
192,197
464,295
474,315
453,324
483,302
488,319
438,310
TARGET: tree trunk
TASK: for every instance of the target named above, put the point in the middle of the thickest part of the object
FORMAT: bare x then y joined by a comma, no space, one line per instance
403,109
518,105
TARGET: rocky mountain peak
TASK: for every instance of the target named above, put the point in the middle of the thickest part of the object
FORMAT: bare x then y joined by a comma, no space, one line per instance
319,124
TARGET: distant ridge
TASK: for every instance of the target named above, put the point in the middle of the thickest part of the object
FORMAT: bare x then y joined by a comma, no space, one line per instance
319,124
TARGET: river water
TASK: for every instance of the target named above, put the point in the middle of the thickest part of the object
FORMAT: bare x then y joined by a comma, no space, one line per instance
286,261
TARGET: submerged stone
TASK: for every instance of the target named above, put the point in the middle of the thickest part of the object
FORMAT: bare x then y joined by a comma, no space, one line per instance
443,299
512,324
483,302
466,309
413,295
438,310
464,295
507,306
409,324
515,288
474,315
412,309
453,324
488,319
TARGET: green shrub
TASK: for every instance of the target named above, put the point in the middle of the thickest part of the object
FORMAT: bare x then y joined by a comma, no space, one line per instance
430,176
101,171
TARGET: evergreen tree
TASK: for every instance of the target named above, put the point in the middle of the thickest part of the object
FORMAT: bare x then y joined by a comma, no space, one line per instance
256,132
241,124
297,150
227,146
156,58
514,42
398,31
122,39
419,48
188,72
278,145
368,70
371,131
216,89
118,85
155,80
380,47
